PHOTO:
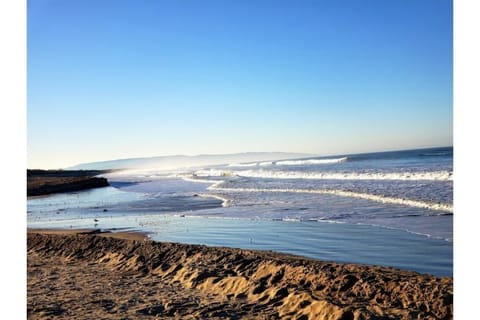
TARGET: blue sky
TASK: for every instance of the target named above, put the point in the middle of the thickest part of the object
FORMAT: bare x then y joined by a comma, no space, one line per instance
119,79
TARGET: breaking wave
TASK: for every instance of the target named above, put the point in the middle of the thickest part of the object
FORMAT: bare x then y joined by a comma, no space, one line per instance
217,186
414,176
225,201
342,193
290,162
243,164
310,161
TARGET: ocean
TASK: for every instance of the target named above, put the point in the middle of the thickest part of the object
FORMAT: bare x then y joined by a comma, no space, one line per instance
386,208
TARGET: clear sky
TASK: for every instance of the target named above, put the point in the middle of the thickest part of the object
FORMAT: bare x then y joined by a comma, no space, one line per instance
118,79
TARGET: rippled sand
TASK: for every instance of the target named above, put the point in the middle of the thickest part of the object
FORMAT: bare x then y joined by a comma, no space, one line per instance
125,276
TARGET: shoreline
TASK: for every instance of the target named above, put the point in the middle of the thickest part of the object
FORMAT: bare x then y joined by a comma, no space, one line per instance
324,241
86,273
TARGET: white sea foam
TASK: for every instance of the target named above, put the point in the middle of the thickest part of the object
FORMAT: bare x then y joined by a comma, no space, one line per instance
265,163
214,173
366,196
310,161
225,201
243,164
290,162
216,185
433,175
287,219
192,179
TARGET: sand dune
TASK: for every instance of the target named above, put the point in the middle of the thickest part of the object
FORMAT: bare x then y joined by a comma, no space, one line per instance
85,276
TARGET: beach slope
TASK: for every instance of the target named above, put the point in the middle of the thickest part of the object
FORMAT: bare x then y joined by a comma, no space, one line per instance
75,275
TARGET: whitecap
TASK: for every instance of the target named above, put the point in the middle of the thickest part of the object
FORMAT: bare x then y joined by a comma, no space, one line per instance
309,161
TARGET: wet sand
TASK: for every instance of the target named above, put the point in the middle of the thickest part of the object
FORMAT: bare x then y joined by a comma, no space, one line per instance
83,274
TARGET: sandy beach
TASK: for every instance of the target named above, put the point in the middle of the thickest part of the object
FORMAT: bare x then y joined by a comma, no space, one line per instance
84,274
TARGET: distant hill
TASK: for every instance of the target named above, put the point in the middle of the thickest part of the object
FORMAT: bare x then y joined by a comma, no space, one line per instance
179,161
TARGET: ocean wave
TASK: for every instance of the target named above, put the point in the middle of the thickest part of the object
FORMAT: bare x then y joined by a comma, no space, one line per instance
268,174
289,162
309,161
424,234
225,201
243,164
265,163
217,186
428,235
213,173
350,194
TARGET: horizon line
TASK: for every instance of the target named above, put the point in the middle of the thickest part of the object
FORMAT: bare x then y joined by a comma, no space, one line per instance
247,152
